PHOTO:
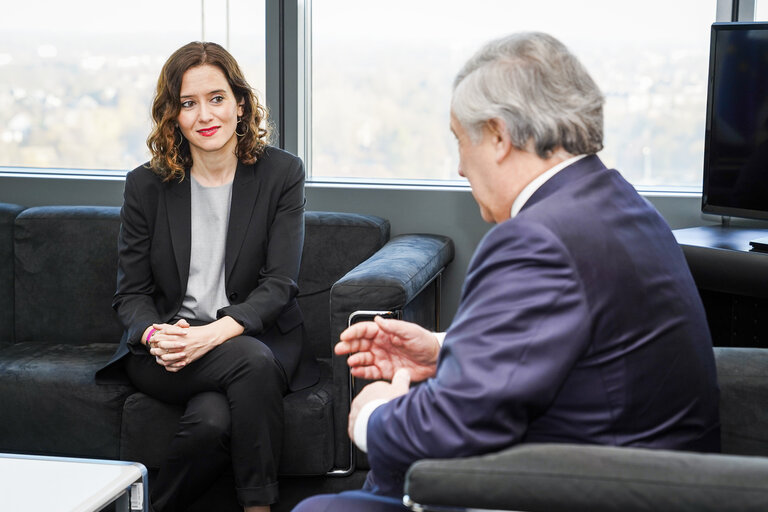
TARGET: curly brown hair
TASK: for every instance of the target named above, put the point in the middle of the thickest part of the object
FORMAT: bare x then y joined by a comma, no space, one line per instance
170,150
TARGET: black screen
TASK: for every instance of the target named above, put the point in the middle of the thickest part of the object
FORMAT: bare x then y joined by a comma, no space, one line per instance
736,140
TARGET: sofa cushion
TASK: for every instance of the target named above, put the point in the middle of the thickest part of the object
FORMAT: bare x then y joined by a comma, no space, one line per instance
66,268
149,426
49,400
8,213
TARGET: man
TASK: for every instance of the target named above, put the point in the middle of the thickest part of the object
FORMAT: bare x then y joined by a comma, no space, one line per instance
579,321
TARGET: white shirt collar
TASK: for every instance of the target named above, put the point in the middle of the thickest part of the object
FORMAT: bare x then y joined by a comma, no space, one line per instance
537,182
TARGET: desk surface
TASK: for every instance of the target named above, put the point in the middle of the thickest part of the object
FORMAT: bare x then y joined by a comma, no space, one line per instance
721,259
719,237
29,483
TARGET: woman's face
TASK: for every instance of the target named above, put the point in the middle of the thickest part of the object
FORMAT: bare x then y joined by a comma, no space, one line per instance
209,112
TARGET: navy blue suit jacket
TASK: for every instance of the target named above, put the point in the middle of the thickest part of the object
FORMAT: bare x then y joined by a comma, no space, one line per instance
265,236
579,322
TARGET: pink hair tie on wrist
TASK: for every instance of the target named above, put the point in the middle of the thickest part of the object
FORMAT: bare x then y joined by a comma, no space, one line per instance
149,336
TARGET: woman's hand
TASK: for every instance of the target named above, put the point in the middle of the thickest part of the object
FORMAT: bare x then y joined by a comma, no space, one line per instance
167,346
175,346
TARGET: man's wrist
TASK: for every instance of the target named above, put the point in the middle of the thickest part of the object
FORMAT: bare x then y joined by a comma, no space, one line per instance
361,423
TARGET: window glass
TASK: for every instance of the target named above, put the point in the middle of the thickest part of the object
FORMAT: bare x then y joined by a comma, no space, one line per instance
77,77
382,75
761,10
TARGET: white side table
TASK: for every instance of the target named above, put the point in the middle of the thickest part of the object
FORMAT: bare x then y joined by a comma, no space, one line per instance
30,483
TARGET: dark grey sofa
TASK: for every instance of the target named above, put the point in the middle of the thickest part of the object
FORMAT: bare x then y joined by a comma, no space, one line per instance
573,478
57,277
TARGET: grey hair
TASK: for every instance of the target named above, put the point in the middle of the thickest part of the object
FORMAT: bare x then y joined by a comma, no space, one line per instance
538,89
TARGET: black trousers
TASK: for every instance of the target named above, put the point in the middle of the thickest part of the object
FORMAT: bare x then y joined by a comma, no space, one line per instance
234,415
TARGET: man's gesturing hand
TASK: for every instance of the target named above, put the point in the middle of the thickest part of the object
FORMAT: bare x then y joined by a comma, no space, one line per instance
378,349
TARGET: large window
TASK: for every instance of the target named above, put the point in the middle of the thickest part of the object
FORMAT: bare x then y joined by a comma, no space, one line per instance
761,10
382,74
77,76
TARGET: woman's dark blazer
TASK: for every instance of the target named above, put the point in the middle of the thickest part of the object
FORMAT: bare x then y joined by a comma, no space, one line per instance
263,251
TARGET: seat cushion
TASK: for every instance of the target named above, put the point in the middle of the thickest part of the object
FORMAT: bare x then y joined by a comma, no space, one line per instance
50,403
149,426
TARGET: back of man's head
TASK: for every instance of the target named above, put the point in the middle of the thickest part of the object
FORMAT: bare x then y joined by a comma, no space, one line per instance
540,91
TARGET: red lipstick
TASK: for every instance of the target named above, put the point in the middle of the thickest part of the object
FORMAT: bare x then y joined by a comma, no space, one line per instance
208,132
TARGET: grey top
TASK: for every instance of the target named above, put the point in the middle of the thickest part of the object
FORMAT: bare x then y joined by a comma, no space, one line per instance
210,218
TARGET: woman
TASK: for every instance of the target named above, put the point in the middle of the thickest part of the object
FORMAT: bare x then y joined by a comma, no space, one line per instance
208,259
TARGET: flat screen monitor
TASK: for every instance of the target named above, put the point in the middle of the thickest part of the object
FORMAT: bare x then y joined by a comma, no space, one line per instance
736,139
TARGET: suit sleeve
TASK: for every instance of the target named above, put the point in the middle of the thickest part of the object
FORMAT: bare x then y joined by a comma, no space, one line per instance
277,283
521,325
133,300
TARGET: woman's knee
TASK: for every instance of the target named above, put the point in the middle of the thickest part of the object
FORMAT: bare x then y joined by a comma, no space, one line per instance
251,354
207,419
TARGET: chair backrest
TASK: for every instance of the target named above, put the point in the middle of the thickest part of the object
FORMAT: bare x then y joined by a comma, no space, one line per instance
66,266
743,377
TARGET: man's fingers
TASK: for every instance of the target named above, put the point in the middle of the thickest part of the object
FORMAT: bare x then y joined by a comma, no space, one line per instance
402,380
344,347
394,327
360,359
366,372
358,331
351,346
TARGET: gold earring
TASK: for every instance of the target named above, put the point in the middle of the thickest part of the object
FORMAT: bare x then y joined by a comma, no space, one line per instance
244,131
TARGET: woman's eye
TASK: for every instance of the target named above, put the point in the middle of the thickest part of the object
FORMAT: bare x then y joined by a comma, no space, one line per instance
187,104
217,99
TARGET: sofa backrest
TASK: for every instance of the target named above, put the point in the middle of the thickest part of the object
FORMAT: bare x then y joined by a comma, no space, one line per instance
8,213
65,267
334,244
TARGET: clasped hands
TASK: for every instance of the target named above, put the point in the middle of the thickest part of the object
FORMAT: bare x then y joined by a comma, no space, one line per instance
177,345
394,350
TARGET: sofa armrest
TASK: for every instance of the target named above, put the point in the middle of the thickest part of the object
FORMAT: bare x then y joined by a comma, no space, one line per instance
567,477
393,276
390,280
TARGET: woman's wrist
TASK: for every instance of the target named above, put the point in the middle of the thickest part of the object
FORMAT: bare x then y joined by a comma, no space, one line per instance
149,332
147,335
226,328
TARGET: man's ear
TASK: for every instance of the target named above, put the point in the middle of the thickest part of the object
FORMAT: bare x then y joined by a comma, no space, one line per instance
501,140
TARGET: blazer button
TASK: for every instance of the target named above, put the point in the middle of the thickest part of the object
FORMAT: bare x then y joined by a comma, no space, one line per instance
232,296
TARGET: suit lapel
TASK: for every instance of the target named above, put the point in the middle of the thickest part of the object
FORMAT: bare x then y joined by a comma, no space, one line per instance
179,200
245,190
